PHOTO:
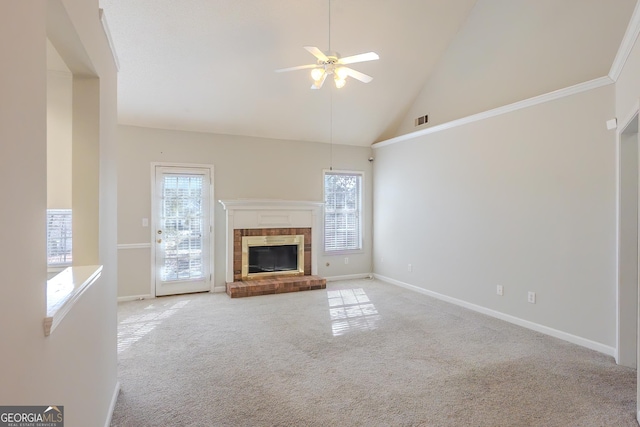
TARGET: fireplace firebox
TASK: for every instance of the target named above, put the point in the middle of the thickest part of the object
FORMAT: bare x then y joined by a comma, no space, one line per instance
272,255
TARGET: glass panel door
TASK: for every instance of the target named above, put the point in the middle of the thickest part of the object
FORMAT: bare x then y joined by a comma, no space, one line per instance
183,230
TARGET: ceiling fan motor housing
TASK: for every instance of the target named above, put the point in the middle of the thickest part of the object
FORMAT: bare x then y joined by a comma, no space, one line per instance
330,64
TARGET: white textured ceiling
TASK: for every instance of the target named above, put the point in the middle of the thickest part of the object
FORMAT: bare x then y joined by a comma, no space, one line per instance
208,65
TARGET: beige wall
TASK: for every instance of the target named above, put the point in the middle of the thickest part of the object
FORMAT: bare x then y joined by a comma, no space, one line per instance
23,152
59,84
86,152
77,365
244,167
526,200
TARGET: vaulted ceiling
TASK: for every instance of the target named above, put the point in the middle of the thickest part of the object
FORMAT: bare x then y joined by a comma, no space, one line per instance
208,65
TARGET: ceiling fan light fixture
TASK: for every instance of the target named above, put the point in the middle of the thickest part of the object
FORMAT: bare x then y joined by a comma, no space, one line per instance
331,64
341,73
317,73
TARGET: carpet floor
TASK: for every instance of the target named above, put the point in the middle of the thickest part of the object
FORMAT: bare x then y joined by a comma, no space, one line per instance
360,353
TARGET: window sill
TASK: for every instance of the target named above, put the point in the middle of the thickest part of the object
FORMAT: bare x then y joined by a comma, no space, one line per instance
345,252
64,290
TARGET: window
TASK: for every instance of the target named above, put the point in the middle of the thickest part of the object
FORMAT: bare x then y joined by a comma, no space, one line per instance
58,237
342,211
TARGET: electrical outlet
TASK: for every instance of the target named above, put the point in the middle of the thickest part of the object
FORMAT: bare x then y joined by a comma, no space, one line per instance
346,260
500,290
410,268
145,222
531,297
381,259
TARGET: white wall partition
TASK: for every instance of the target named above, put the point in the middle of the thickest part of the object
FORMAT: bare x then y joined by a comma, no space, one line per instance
627,94
76,366
627,342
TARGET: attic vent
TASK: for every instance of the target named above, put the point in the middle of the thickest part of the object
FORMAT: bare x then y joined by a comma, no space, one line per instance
422,120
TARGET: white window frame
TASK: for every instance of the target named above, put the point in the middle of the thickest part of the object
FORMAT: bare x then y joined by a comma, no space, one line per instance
360,211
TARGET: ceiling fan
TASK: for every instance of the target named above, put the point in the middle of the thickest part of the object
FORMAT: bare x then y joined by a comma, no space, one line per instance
330,63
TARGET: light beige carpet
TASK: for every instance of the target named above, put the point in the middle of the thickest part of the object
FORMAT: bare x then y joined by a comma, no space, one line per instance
360,353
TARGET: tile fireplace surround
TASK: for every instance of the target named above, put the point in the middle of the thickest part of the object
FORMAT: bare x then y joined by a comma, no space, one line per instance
271,217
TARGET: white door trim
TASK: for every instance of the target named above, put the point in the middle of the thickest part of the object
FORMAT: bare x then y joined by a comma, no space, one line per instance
154,206
621,343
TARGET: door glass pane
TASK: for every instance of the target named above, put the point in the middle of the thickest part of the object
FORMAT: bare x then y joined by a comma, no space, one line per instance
182,227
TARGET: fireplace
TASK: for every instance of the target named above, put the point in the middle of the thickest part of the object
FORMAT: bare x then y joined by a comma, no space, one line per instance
245,238
264,256
279,265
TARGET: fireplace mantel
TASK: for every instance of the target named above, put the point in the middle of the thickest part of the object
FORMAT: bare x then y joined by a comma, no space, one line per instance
257,204
258,213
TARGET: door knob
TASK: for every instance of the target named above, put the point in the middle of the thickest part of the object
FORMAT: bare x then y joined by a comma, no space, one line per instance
159,240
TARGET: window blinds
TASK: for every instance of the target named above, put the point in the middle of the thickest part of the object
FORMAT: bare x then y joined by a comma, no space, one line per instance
342,211
59,236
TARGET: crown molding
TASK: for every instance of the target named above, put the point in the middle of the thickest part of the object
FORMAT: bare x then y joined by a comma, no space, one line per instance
629,39
557,94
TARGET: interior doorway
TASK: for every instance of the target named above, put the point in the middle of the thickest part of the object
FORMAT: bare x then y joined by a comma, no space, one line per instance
628,246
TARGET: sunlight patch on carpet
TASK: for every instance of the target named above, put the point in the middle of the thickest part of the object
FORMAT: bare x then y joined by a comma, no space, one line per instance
351,310
135,327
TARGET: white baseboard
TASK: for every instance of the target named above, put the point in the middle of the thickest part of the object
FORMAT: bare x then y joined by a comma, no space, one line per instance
349,277
112,405
215,289
610,351
134,297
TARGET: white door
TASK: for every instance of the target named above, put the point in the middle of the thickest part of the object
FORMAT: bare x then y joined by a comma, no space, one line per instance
182,232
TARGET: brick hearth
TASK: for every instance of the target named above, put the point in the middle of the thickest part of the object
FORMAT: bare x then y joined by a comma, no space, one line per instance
275,285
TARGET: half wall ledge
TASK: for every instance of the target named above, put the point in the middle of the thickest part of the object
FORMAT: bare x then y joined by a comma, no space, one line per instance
64,290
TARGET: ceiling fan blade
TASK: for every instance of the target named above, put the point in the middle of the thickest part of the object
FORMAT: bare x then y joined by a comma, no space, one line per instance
364,78
320,83
317,53
299,67
369,56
